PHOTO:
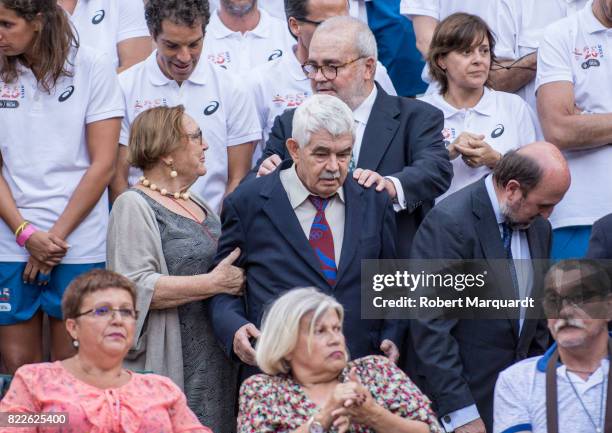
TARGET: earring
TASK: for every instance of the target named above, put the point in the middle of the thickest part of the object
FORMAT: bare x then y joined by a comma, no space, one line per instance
75,343
173,172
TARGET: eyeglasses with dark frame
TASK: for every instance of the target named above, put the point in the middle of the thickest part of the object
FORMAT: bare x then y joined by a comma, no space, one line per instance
196,136
107,312
330,72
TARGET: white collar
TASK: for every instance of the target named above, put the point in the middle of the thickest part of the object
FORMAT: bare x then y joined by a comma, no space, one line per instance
157,77
293,65
486,105
219,30
499,217
589,21
361,114
296,191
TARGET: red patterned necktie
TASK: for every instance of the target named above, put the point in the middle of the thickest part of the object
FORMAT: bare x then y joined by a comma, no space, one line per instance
322,240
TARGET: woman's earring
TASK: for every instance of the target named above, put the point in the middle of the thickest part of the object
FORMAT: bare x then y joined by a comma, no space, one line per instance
173,172
75,343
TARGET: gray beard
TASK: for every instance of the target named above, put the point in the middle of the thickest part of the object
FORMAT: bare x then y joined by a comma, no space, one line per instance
238,11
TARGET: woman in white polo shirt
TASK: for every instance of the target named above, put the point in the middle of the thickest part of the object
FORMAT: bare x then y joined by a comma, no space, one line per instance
60,113
115,27
480,124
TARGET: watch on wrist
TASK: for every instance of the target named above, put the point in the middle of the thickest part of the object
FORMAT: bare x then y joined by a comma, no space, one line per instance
315,426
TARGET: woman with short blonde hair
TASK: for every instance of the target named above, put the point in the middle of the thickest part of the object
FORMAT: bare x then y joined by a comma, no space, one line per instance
310,387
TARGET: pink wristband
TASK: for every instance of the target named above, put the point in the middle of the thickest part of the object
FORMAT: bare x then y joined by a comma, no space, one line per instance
25,235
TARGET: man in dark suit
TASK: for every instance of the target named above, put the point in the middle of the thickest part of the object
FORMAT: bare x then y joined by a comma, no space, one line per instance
307,225
600,244
504,215
399,142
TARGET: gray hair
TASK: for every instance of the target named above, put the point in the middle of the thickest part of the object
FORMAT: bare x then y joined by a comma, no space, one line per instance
356,31
281,325
322,113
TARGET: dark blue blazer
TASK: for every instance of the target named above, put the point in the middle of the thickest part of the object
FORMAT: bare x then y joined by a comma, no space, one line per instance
403,139
258,218
458,360
600,244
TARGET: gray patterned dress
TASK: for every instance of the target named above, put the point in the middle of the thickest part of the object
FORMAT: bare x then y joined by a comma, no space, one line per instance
210,377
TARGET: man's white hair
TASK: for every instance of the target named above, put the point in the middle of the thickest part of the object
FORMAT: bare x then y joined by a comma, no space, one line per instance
356,31
322,113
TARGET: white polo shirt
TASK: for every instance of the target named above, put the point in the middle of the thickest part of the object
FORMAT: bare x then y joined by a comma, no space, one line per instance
521,24
578,49
503,118
520,398
440,9
281,84
44,150
240,52
223,109
102,24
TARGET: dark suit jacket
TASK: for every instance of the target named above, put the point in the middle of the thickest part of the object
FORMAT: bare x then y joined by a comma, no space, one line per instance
258,218
403,138
600,244
458,360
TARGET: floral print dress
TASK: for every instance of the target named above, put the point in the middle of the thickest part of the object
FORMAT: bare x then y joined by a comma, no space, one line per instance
279,404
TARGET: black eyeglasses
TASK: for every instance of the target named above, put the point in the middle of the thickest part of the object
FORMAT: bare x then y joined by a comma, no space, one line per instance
306,20
330,72
107,312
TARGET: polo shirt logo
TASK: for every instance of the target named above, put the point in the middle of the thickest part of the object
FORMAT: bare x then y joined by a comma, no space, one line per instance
220,58
448,135
498,131
211,108
275,54
98,17
8,104
590,55
66,94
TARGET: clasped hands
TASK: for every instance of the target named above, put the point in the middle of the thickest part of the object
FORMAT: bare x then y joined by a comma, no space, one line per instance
474,151
350,402
46,251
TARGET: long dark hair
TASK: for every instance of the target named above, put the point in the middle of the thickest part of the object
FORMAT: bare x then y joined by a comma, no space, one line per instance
52,43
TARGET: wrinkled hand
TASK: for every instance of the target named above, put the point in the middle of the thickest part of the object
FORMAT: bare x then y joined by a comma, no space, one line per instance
342,423
390,350
361,410
242,345
476,426
229,278
268,165
478,153
32,269
367,178
47,248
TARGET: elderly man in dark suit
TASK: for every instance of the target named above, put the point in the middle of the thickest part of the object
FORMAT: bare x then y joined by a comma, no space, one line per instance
308,224
504,215
399,140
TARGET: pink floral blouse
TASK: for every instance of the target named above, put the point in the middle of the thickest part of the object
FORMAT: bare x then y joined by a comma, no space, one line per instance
147,403
278,403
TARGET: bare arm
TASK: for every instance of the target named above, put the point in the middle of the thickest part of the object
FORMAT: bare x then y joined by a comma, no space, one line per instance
102,138
8,208
424,27
132,51
119,182
512,75
566,128
239,160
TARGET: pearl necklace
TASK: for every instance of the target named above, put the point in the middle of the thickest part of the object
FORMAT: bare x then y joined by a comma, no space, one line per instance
163,191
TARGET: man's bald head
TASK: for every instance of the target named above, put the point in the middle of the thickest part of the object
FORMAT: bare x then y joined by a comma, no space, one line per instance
347,33
529,182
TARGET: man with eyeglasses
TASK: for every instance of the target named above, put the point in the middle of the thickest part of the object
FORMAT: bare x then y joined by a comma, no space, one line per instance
566,389
398,138
281,84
